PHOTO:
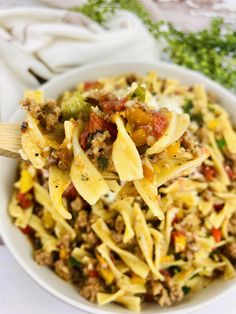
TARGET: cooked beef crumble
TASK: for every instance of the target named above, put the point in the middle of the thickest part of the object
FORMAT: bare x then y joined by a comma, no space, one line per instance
47,113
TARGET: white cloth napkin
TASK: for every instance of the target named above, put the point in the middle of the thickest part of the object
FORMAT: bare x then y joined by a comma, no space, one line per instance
38,44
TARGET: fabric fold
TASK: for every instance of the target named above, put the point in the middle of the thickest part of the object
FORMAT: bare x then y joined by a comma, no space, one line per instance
38,44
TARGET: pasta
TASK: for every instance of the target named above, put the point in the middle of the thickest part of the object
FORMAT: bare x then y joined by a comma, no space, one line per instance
135,200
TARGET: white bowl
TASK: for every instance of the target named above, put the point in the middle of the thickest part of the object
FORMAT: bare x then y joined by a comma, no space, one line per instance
21,248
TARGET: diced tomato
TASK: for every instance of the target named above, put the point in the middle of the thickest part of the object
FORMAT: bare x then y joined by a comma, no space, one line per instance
92,85
27,230
209,172
218,207
93,273
165,272
178,217
216,233
25,199
230,172
177,233
175,220
110,106
97,123
159,124
70,193
83,139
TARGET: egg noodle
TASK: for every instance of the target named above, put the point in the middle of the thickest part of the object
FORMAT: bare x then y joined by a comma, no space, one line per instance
134,200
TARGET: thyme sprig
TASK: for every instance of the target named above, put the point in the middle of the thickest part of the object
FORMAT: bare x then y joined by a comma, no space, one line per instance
211,51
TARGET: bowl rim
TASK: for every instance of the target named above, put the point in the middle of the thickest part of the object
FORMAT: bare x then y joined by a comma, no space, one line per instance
94,308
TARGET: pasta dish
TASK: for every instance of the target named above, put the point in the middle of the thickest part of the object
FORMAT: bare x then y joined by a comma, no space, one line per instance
127,188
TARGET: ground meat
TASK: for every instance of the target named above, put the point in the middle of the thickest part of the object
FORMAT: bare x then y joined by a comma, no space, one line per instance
99,150
63,270
92,218
76,275
65,241
207,195
188,142
47,113
165,293
96,97
117,238
232,225
176,293
89,267
43,258
77,204
92,238
119,225
231,158
90,288
203,135
82,219
230,251
63,157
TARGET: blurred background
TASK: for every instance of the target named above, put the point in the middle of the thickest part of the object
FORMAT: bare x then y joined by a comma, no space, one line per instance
187,14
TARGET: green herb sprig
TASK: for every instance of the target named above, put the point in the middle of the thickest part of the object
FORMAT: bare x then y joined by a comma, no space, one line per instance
211,51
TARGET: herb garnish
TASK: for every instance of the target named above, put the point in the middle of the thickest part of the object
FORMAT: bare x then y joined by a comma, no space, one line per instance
198,117
72,262
102,162
211,51
186,289
221,142
188,105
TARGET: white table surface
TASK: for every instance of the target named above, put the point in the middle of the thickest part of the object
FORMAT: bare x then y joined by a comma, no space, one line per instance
19,294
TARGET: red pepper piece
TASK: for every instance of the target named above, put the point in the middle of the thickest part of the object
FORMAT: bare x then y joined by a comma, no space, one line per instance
230,172
110,106
216,233
70,193
93,273
25,199
159,124
97,123
27,230
209,172
92,85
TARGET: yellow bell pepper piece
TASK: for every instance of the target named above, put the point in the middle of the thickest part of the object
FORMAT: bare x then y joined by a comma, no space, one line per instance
36,95
167,259
26,181
179,241
63,253
136,280
173,149
212,124
47,219
104,270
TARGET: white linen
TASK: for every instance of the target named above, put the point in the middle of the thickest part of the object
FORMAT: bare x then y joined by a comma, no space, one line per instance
50,41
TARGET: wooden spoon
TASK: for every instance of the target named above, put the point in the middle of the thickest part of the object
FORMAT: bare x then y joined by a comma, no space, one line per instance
10,139
10,143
